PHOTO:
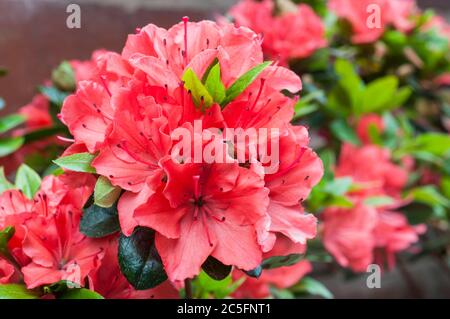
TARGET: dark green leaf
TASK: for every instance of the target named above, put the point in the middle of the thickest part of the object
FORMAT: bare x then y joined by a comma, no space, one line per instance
80,162
255,273
215,269
27,180
139,260
281,261
244,82
40,134
10,121
98,222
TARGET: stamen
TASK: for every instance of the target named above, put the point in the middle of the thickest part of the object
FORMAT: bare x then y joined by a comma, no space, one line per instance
185,21
263,81
196,179
103,79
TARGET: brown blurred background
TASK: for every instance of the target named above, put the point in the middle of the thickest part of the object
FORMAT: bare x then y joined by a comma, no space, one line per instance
34,39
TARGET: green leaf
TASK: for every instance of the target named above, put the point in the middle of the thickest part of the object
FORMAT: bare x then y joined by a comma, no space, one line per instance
27,180
54,95
80,162
399,98
98,222
244,82
5,235
339,186
10,144
214,84
3,71
281,261
435,143
206,287
215,269
310,286
64,77
428,195
40,134
139,260
80,293
200,94
377,201
417,213
281,293
105,194
350,82
378,94
255,273
4,183
16,291
10,121
344,132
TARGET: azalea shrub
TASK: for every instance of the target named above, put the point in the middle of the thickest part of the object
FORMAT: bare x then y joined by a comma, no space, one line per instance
127,183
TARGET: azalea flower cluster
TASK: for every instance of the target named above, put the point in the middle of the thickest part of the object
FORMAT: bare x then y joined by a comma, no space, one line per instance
283,32
365,233
45,245
125,115
384,14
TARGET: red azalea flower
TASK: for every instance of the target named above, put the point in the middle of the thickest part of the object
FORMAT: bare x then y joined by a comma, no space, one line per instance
130,125
214,206
360,15
6,271
295,34
348,235
371,167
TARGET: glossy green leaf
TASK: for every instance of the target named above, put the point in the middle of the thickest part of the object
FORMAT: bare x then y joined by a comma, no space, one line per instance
215,269
10,121
200,94
27,180
244,82
16,291
80,162
214,84
10,144
98,222
105,194
139,260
